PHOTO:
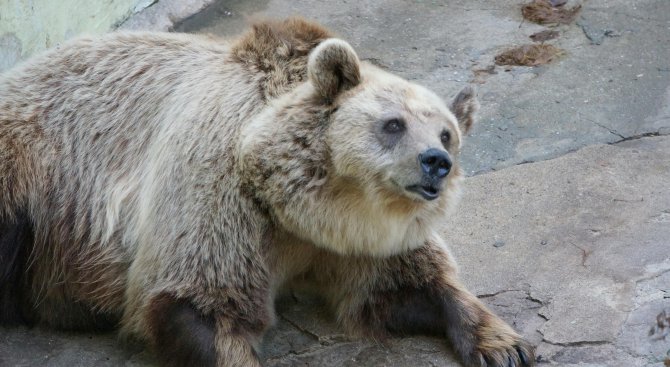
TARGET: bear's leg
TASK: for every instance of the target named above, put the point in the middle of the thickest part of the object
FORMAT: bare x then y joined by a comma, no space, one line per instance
419,293
180,334
183,336
16,240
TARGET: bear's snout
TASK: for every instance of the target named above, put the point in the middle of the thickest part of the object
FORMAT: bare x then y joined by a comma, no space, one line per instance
435,163
435,166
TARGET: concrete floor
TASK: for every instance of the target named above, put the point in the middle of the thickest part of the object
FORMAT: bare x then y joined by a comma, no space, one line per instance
570,180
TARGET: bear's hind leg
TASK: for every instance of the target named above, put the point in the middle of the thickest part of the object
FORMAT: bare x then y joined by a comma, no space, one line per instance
181,335
16,240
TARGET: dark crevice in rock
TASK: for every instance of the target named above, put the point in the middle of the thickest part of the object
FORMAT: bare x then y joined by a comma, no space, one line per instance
612,131
300,328
529,297
527,161
489,295
583,343
628,350
132,12
639,136
533,299
153,2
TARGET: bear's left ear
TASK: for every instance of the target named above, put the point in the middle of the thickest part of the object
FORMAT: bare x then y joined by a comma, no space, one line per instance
333,68
464,107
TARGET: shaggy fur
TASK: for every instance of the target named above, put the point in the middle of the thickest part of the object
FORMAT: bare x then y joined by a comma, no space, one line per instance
174,184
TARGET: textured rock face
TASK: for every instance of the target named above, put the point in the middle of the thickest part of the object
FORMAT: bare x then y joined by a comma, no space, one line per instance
28,27
587,243
574,251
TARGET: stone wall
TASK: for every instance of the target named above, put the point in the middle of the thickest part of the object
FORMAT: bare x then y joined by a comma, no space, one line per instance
30,26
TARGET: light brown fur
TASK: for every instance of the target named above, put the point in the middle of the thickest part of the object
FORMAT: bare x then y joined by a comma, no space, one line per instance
168,174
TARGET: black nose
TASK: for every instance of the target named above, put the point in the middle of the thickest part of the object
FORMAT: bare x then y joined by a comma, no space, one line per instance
435,163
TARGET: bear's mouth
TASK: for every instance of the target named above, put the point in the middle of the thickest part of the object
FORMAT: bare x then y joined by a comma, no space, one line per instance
428,192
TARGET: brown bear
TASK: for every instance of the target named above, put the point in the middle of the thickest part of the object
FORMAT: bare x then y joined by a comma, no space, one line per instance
174,184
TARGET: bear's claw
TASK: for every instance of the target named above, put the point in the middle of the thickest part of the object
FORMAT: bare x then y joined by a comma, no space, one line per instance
519,355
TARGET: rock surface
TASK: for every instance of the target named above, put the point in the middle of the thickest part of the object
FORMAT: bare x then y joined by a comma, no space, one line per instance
569,240
593,94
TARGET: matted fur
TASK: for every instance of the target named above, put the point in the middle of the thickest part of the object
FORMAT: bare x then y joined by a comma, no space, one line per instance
150,174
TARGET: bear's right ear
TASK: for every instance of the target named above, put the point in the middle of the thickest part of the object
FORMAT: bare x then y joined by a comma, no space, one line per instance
465,107
333,68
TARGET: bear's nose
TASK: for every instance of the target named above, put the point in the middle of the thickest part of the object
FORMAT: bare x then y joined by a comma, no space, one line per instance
435,163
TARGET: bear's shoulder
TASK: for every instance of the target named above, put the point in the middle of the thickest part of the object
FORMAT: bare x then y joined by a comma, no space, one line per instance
279,50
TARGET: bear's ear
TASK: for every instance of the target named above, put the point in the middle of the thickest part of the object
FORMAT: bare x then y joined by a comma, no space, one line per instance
464,107
333,68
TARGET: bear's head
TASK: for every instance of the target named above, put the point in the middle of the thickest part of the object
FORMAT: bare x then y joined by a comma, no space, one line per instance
356,160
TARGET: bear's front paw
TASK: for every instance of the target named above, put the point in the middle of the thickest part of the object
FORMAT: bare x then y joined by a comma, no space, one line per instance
497,345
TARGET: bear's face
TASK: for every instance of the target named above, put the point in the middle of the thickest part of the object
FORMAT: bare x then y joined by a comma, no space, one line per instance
356,160
396,134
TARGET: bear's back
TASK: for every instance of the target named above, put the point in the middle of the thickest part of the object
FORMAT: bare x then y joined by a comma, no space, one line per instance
120,84
97,106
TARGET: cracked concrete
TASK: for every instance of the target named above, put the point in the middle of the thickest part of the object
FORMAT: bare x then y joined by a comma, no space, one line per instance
564,226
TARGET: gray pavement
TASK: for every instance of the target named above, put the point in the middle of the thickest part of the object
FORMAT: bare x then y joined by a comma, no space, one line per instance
569,240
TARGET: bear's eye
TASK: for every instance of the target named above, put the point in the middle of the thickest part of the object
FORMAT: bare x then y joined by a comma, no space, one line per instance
394,126
445,137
